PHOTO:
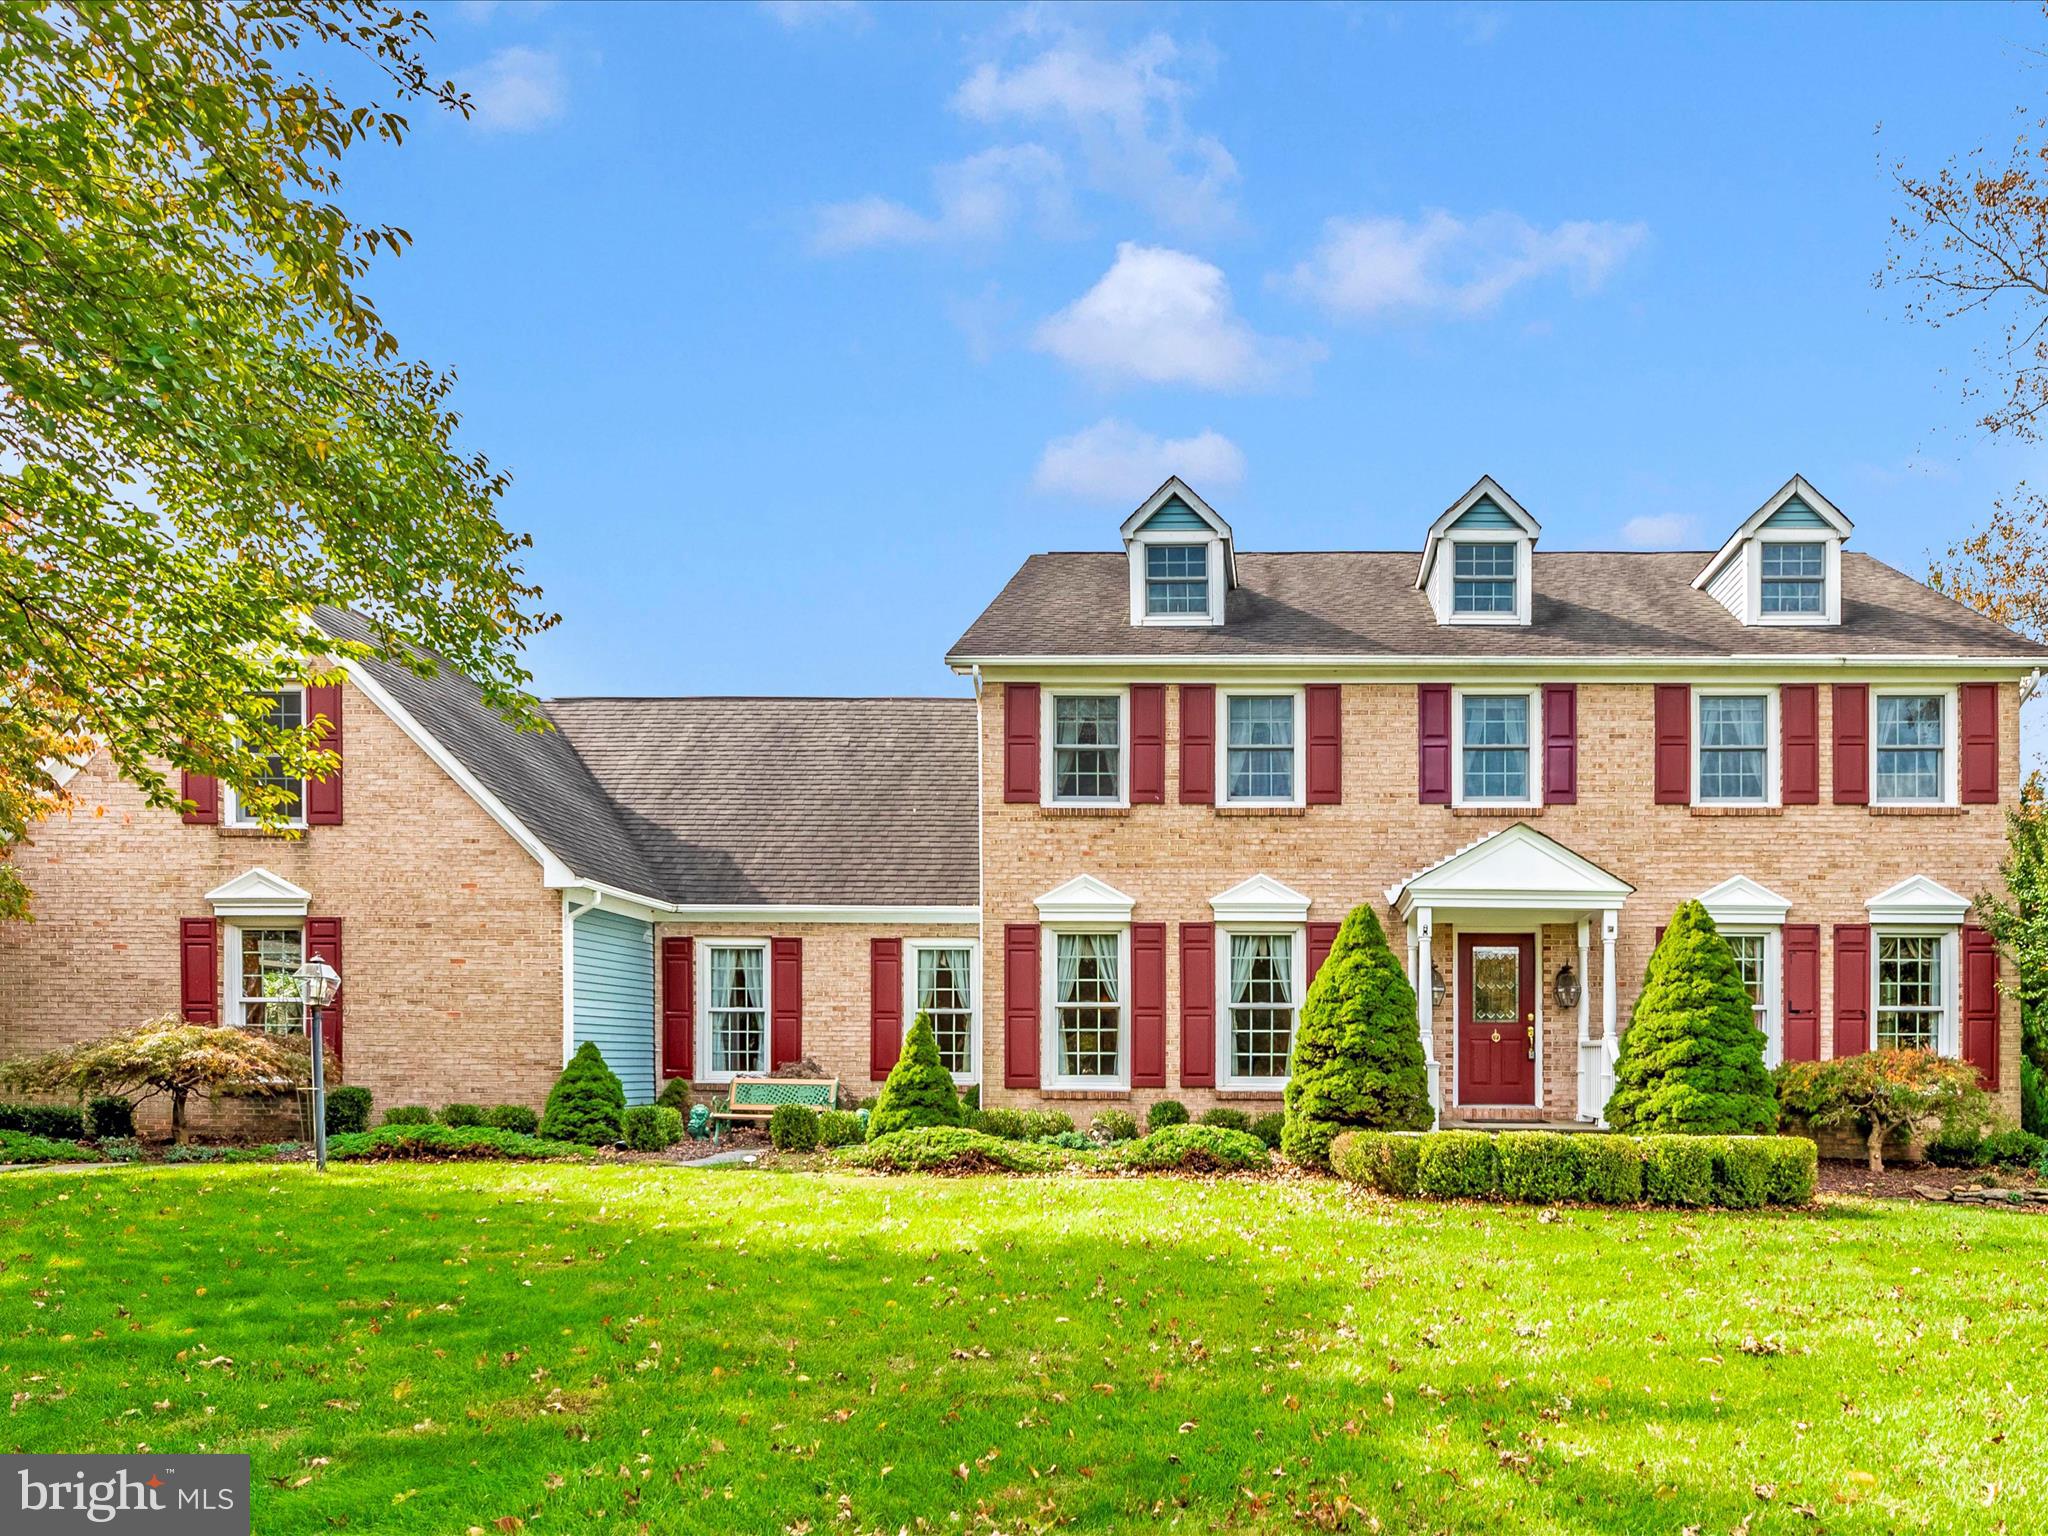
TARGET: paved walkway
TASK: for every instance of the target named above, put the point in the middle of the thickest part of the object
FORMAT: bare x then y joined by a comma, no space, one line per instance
735,1156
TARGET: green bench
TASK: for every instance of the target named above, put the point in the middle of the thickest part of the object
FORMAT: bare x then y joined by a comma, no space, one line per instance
753,1100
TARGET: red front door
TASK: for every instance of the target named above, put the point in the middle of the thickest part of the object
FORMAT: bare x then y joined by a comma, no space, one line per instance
1496,1018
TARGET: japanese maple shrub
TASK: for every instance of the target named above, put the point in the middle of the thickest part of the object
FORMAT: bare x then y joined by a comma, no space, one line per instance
587,1103
1883,1093
1692,1061
1358,1061
920,1090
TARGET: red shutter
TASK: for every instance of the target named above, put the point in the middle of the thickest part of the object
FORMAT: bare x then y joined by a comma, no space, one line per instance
1799,737
1978,705
1198,1005
885,1006
1325,710
1321,936
323,941
1197,744
1852,744
1148,1005
1674,743
1852,987
1148,743
1980,1003
1433,743
678,1007
1802,991
1560,743
199,970
323,796
1020,1005
1657,938
786,1040
1020,743
203,790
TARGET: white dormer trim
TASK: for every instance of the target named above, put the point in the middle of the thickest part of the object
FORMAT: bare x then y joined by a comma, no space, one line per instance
258,893
1434,575
1917,899
1734,576
1084,899
1740,902
1261,899
1215,537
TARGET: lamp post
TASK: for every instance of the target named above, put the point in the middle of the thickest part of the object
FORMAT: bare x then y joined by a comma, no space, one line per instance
318,982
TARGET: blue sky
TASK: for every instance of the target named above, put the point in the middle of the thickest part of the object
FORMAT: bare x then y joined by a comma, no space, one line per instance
800,327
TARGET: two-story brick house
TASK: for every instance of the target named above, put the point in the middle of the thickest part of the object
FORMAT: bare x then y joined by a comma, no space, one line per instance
1181,766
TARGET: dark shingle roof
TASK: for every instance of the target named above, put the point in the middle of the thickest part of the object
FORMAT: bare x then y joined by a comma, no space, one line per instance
1365,604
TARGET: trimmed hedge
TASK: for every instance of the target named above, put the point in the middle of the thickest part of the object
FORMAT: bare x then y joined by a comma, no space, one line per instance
1269,1128
1166,1112
1200,1148
837,1128
793,1128
59,1122
110,1115
1020,1124
459,1115
445,1143
512,1117
675,1094
1228,1118
1547,1167
651,1127
1114,1125
348,1110
952,1149
408,1114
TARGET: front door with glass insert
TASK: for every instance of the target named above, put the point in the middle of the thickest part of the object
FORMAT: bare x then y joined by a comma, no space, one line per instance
1496,1019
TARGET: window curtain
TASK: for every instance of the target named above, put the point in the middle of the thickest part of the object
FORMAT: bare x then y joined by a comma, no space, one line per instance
1092,955
735,978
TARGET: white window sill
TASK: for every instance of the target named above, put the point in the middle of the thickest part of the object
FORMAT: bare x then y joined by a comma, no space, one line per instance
1260,1085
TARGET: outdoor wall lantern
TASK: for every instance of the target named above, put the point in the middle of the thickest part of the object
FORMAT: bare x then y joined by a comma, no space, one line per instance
319,983
1437,989
1566,990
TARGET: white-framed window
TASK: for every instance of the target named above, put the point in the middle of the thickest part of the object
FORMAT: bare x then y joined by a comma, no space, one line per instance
1259,746
1483,576
260,975
1912,746
1914,987
1177,581
1087,1012
1792,577
1087,757
942,980
1496,761
1261,974
287,712
732,1009
1756,960
1735,746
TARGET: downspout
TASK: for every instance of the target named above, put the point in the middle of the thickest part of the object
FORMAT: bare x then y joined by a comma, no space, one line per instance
980,874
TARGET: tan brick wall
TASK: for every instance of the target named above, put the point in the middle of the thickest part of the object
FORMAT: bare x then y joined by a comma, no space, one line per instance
451,947
836,986
1827,860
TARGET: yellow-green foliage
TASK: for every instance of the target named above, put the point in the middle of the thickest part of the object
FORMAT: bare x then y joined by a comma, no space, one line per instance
919,1091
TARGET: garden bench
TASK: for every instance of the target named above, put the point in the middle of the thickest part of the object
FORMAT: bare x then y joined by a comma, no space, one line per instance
753,1100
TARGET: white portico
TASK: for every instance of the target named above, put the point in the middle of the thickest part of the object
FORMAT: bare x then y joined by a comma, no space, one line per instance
1476,953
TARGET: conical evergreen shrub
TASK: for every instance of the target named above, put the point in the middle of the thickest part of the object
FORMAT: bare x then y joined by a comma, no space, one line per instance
587,1103
1692,1058
920,1090
1357,1062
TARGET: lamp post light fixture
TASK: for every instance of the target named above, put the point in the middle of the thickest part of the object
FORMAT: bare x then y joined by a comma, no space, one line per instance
1566,990
319,984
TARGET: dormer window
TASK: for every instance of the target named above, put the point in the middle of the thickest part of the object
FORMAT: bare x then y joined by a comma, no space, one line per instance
1478,559
1482,578
1784,564
1176,580
1793,578
1182,561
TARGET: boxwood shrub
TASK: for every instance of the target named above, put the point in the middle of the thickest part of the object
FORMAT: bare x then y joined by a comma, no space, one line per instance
1166,1112
513,1117
1678,1170
839,1128
1539,1167
1543,1167
59,1122
462,1114
651,1127
1387,1161
1114,1125
348,1109
110,1115
1268,1128
408,1114
1228,1118
1458,1165
1611,1169
794,1128
1198,1148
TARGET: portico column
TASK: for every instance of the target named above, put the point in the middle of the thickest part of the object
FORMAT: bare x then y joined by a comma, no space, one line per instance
1425,1004
1610,1041
1589,1048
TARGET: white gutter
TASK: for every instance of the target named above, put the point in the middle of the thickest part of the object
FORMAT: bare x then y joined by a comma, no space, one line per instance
1437,665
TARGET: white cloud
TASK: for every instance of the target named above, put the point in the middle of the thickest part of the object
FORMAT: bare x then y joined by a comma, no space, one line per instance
793,14
517,89
1443,264
1658,530
977,199
1116,462
1160,316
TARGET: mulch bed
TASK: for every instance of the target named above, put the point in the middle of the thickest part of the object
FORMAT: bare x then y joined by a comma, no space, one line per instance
1903,1181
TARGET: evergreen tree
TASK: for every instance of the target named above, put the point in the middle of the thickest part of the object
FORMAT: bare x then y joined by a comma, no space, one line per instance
1692,1059
1357,1061
587,1103
2018,920
920,1090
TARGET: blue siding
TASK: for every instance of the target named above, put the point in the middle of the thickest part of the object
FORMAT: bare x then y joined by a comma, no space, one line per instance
1484,514
613,989
1795,514
1174,517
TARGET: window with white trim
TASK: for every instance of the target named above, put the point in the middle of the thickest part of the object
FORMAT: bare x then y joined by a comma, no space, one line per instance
1482,577
1751,963
1494,733
1177,580
1912,996
1261,733
1087,1006
1911,747
735,1009
1087,741
1792,577
942,989
1261,992
264,982
287,711
1734,761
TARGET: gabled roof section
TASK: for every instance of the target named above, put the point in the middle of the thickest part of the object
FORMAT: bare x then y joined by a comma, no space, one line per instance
1797,491
1918,899
1516,867
1261,899
1085,899
1486,497
1172,497
258,893
1739,900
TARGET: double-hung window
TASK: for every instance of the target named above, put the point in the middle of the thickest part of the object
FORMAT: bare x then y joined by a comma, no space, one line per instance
1176,580
1260,765
1911,743
1735,759
1912,997
1262,998
736,1009
1087,748
1493,748
1482,578
287,711
1088,1007
265,981
1792,577
943,978
1751,960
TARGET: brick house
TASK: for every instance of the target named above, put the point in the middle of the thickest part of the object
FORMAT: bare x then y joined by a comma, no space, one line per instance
1181,766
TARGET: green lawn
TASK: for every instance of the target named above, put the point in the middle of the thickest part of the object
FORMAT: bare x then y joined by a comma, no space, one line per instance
616,1349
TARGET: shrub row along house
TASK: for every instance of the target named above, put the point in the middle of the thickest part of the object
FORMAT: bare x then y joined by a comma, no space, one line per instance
1109,875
